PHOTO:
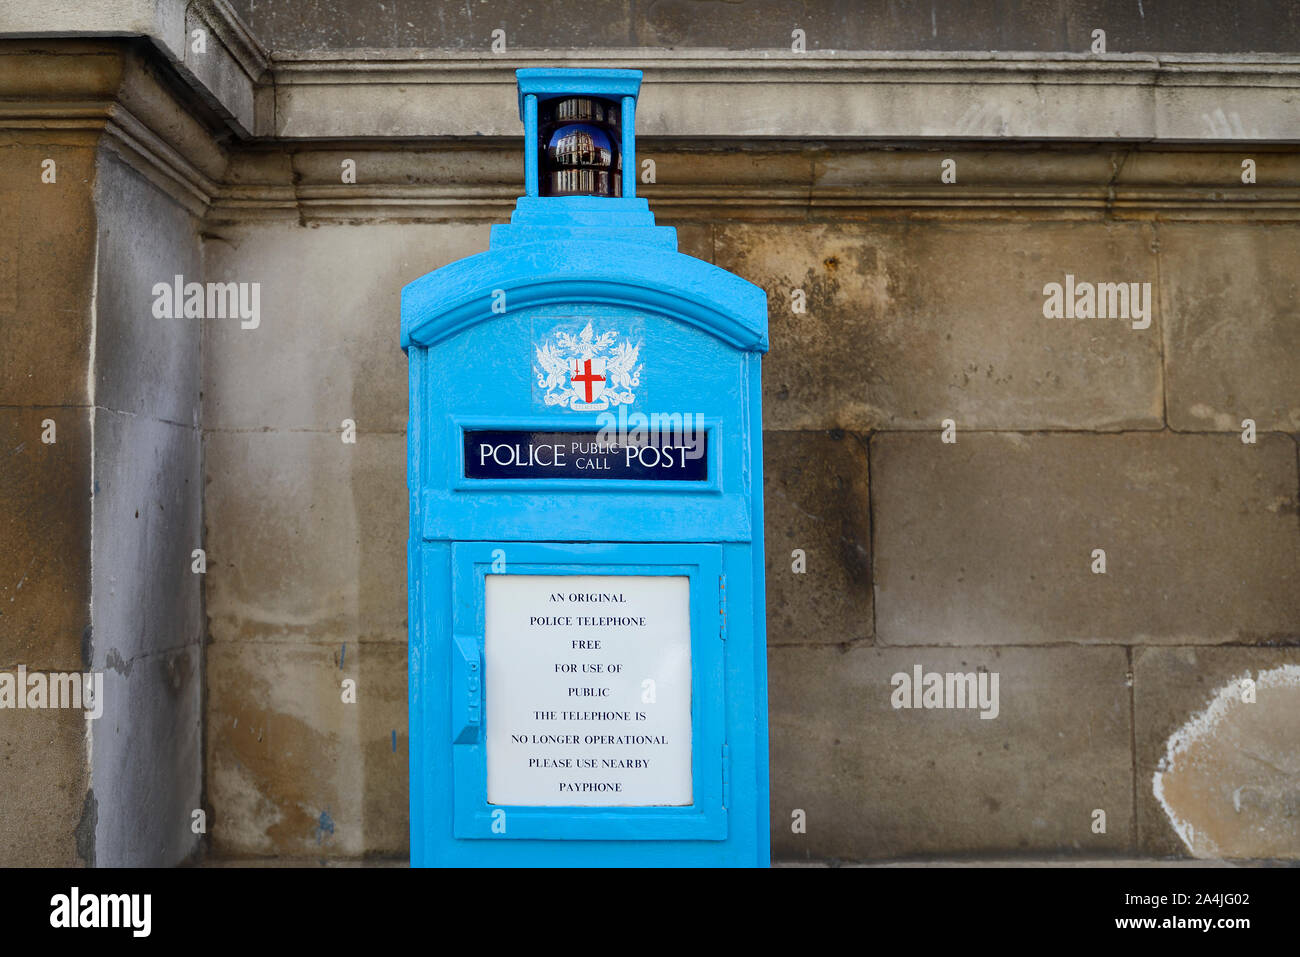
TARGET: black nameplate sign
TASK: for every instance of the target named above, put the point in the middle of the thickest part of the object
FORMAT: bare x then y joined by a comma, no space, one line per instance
523,454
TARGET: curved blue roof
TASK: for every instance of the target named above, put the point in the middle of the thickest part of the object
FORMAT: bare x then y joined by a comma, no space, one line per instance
460,295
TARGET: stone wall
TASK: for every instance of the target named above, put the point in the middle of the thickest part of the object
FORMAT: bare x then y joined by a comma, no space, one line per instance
1071,435
101,483
47,254
147,493
1209,26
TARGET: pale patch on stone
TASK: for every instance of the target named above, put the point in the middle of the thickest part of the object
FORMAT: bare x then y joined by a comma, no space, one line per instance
852,414
246,816
1229,781
1222,421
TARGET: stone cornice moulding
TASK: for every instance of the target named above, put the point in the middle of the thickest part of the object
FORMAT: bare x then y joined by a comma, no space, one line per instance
108,93
784,181
229,74
154,158
698,64
716,94
706,93
754,95
235,36
232,75
162,128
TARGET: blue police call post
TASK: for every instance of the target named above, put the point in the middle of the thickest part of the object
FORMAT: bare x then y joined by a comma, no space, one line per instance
588,678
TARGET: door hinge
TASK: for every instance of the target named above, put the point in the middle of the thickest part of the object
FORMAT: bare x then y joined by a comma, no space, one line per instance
466,690
722,607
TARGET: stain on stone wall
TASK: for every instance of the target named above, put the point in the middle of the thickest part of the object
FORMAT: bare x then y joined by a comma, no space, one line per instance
1229,780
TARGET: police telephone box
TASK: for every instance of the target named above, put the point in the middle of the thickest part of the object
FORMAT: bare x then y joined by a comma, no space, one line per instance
587,649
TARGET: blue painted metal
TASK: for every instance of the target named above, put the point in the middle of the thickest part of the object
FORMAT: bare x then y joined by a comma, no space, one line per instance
471,331
530,145
539,262
628,158
550,83
538,85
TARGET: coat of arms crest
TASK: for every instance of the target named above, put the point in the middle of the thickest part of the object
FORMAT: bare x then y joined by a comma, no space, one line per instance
576,372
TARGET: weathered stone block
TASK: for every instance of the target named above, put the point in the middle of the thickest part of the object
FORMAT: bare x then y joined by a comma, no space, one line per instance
44,773
148,629
148,759
838,25
1216,774
325,24
47,270
875,781
1232,330
991,540
905,326
815,499
407,171
294,771
144,364
693,239
326,348
306,536
45,516
147,525
1004,170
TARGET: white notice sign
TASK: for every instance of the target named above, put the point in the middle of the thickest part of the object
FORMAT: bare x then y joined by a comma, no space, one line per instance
588,690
